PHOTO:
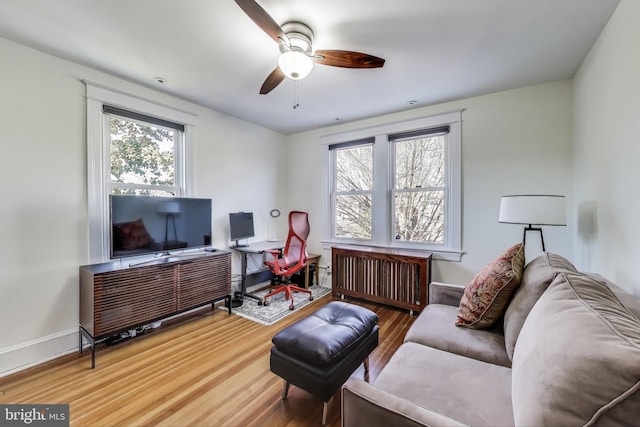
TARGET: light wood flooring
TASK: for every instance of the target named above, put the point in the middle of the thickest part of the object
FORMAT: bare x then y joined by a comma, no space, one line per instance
211,369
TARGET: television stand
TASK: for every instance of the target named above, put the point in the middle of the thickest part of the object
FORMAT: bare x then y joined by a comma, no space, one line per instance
115,297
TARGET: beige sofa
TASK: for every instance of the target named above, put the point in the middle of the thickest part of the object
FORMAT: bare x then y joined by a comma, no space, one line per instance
567,353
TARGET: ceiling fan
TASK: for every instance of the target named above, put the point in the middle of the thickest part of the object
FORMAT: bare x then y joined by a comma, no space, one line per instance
297,56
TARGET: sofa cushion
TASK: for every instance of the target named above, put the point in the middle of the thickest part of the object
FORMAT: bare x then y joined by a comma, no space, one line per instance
536,277
629,300
435,327
486,297
577,360
455,386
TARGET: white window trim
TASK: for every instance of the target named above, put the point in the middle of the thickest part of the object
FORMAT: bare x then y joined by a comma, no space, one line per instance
451,249
98,159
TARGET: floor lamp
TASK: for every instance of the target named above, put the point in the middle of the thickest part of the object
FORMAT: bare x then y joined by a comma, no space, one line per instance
533,209
170,209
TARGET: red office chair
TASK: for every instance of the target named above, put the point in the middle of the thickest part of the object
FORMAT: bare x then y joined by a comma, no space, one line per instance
292,259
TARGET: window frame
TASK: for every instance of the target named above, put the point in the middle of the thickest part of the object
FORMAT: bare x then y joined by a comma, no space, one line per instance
99,159
334,190
178,187
395,191
382,204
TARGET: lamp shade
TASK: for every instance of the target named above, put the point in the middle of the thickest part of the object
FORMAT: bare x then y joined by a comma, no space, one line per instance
533,209
295,64
169,207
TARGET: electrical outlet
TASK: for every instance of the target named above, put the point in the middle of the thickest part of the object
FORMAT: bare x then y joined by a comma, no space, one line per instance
328,270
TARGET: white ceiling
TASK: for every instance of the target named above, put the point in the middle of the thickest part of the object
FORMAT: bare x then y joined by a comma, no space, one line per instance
212,54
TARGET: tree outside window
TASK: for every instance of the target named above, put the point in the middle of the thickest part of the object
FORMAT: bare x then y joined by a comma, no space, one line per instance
354,188
419,190
143,157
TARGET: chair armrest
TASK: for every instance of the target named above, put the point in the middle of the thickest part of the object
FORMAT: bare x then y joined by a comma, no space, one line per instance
275,253
445,293
364,404
281,265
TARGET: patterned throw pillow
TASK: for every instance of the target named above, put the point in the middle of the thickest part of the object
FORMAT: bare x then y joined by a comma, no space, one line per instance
486,297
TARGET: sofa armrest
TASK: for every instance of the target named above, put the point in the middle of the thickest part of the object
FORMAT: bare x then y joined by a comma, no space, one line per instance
365,405
445,293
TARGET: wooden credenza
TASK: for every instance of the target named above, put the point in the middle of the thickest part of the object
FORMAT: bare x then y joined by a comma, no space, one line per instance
389,276
116,297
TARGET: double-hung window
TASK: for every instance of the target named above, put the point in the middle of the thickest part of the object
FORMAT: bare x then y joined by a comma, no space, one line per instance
353,189
134,146
419,189
145,154
397,185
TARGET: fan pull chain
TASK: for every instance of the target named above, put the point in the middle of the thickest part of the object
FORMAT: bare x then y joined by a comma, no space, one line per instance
296,94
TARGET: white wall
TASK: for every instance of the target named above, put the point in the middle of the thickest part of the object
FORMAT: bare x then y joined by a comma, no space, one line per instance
239,166
513,142
607,152
43,214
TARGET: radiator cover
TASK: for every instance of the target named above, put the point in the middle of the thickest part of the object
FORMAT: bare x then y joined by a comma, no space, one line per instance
394,277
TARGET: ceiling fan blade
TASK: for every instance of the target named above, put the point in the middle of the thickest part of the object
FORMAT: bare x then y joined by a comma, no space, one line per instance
263,20
274,79
347,59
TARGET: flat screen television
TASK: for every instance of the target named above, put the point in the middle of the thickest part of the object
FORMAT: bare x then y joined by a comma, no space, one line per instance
241,227
142,224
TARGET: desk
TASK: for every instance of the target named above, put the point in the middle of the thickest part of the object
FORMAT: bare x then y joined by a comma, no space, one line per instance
315,260
257,276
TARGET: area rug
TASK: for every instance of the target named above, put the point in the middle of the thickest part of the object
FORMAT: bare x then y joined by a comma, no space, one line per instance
278,307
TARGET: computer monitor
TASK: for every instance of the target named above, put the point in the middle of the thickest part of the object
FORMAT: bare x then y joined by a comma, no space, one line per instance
241,227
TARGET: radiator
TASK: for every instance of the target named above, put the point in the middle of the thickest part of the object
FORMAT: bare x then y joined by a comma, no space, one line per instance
388,276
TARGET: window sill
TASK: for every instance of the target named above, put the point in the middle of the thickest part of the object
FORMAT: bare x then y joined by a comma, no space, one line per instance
438,254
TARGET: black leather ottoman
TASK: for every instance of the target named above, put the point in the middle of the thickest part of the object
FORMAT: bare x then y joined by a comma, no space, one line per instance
320,352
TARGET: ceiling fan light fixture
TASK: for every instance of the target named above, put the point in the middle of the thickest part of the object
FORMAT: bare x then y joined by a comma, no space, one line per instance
295,40
295,64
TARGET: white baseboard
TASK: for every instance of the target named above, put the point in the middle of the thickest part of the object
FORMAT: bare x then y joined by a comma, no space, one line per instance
32,353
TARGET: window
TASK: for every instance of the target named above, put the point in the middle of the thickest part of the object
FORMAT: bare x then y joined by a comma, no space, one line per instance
397,185
134,146
419,189
353,189
145,154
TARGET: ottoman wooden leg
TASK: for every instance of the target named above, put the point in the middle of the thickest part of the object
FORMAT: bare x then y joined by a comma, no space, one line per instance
366,369
285,389
325,406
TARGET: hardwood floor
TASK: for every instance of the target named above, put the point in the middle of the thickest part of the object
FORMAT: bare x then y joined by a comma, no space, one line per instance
211,369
